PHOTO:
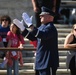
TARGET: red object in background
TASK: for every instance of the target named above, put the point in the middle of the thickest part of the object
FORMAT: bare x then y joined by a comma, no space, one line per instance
34,43
0,38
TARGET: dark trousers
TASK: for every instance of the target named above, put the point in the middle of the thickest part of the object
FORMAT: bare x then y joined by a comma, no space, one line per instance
72,66
57,11
37,19
48,71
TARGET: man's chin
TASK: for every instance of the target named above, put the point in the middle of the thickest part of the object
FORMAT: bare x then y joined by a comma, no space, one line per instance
42,22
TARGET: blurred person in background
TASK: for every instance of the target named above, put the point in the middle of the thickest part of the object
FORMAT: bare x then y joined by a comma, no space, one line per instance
5,21
53,5
70,42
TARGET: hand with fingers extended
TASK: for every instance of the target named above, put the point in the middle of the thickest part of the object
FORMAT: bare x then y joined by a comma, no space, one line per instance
27,19
19,24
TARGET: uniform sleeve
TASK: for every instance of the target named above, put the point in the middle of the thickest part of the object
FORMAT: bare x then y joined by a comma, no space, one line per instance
47,33
28,35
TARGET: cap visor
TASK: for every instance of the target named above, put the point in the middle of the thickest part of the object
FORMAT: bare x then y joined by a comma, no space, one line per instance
43,13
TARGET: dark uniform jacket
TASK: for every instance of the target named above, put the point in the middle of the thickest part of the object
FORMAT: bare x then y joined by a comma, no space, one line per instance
47,47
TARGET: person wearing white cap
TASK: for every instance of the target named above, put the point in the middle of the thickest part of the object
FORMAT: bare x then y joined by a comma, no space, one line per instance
47,58
15,40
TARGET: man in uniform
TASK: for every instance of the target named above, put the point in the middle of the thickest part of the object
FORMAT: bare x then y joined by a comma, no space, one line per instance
47,58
